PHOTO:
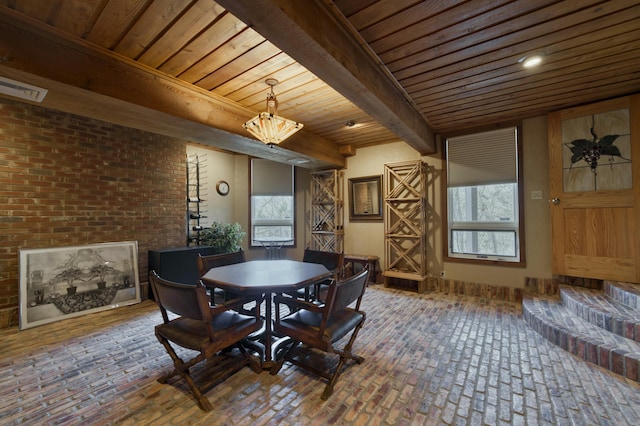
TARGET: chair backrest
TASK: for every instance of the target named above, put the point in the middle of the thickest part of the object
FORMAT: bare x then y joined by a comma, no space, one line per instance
185,300
344,293
331,260
213,261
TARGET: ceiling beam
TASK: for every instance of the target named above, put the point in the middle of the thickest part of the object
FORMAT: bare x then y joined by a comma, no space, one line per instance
316,35
97,83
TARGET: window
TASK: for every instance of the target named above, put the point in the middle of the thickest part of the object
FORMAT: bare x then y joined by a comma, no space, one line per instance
483,187
272,202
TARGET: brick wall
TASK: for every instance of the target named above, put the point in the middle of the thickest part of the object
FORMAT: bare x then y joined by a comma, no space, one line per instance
69,180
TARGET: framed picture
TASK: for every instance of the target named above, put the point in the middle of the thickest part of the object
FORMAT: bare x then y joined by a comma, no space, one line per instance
65,282
365,198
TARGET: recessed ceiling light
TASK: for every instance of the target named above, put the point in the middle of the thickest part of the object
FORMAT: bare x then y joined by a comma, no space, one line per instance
530,61
350,123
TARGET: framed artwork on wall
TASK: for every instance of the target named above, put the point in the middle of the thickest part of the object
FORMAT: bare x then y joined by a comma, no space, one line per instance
365,198
65,282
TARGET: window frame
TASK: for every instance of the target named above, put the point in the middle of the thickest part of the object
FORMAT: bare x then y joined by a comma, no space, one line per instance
481,259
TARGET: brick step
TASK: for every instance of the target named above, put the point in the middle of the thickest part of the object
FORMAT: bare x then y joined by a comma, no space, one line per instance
549,317
626,293
599,309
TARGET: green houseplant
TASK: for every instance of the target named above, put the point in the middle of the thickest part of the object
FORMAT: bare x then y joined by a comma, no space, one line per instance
223,237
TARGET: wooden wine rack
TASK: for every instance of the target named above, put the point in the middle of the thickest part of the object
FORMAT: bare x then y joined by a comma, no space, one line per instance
405,224
195,208
327,212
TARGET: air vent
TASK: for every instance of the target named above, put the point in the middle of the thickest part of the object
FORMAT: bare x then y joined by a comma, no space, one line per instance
21,90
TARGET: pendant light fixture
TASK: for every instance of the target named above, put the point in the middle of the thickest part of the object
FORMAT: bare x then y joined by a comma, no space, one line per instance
268,126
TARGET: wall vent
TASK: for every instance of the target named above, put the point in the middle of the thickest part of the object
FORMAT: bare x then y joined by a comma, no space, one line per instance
21,90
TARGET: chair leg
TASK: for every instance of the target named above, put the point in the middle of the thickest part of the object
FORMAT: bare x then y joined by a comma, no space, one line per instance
350,355
203,401
251,361
347,349
328,390
182,368
174,357
345,355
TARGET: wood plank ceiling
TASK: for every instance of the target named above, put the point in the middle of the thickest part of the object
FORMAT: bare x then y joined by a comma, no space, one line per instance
399,69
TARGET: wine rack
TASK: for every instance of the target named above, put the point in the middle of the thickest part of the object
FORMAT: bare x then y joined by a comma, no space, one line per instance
196,208
405,224
327,212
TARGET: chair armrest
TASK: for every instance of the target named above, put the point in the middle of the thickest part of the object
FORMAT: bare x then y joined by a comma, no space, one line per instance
236,303
296,304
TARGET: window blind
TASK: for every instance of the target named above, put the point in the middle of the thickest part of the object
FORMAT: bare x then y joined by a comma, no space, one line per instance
271,178
483,158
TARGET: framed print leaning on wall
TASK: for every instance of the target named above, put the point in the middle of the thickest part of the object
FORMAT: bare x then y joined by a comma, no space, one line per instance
65,282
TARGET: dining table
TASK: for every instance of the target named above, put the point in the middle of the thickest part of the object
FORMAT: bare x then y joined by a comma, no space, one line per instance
266,277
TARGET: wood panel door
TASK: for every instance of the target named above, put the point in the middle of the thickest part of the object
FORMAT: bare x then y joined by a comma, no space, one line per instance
594,155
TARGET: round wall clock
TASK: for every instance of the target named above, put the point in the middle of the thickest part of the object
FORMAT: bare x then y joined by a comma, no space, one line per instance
222,187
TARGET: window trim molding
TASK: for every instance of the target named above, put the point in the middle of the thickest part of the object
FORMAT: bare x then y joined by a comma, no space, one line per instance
445,202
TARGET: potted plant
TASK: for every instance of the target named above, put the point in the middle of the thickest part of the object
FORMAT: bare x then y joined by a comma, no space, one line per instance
101,270
224,238
69,275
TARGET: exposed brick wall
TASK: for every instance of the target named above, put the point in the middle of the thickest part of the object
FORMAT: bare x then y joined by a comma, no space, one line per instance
68,180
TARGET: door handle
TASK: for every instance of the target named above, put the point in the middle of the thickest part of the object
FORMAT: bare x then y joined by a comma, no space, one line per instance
555,201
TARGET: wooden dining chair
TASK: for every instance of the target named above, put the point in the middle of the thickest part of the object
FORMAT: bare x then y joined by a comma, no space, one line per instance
320,326
213,261
200,327
332,261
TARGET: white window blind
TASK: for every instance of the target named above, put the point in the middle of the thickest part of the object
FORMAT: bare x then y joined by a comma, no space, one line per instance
271,178
482,158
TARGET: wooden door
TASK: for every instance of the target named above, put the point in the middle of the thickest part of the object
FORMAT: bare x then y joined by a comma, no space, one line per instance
594,164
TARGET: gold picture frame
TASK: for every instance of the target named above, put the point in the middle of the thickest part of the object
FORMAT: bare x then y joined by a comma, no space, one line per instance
365,198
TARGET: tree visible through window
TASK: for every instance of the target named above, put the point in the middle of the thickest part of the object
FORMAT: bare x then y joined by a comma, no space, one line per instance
272,217
494,208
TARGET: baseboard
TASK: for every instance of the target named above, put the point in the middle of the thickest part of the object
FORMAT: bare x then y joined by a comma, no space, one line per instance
488,291
551,285
9,317
541,285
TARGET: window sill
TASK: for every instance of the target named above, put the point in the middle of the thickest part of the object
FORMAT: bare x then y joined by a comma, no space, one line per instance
486,262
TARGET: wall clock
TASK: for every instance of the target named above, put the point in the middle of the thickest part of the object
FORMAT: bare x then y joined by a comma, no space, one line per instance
222,187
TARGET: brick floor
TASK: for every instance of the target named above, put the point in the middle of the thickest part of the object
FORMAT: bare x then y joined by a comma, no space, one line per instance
430,359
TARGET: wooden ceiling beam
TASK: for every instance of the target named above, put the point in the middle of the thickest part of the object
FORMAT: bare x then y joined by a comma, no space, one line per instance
317,36
102,85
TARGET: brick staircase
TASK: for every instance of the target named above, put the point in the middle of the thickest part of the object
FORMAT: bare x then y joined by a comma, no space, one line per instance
601,327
